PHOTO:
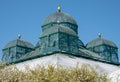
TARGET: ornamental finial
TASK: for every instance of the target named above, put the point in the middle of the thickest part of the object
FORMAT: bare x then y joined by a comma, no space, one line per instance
58,21
59,8
19,36
99,35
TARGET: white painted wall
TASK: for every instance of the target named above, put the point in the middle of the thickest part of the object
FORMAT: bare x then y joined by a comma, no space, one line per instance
68,61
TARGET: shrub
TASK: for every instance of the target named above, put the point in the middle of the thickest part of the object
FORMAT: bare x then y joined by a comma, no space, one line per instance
2,64
84,73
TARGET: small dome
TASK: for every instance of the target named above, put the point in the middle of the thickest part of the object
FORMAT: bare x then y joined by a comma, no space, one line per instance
19,42
59,16
100,41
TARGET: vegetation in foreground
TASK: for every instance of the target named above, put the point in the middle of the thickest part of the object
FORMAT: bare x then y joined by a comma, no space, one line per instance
52,74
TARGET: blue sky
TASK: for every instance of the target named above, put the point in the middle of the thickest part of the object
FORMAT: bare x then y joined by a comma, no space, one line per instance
26,17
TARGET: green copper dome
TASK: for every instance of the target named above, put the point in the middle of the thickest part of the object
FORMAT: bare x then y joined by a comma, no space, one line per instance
100,41
19,42
59,16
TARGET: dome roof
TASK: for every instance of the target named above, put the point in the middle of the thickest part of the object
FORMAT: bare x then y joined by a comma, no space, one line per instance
59,16
100,41
19,42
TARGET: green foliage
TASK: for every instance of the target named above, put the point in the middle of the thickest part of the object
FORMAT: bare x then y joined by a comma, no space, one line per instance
84,73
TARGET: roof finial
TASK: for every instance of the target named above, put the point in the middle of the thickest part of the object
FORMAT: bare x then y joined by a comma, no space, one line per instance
19,36
99,35
58,21
59,8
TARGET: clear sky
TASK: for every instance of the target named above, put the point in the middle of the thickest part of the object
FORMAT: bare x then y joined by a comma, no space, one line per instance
26,17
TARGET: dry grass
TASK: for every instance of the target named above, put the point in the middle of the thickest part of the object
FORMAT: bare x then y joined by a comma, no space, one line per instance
51,74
